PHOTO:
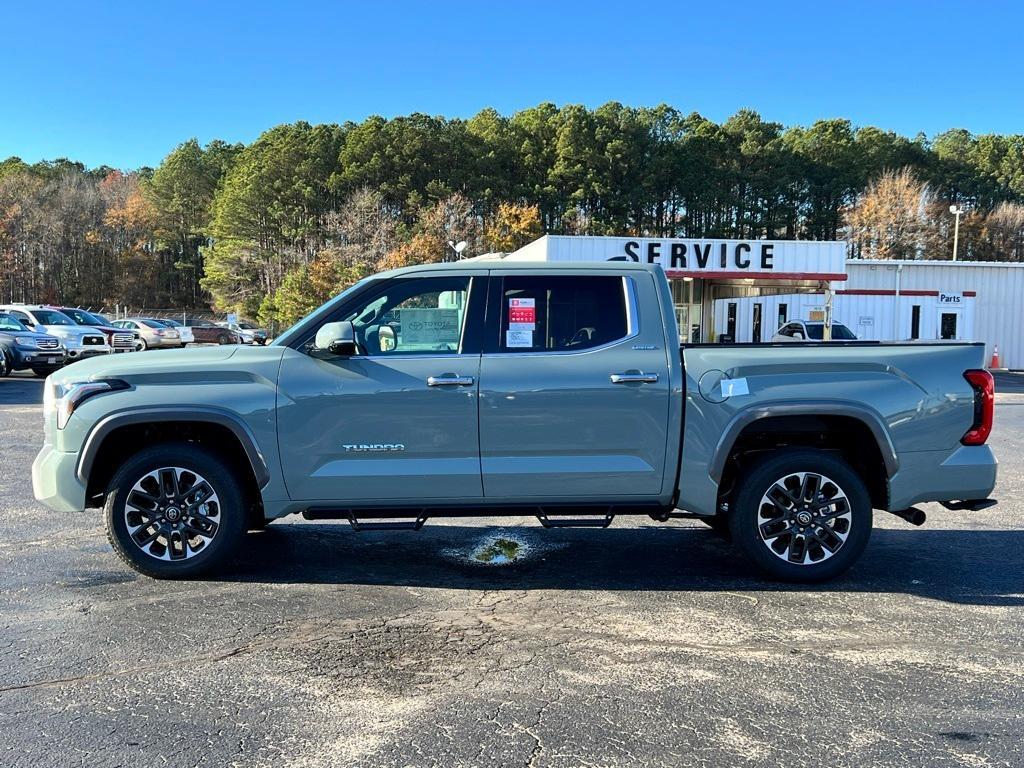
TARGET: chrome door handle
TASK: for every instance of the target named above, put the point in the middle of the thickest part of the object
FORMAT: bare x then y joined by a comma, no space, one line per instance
634,378
444,381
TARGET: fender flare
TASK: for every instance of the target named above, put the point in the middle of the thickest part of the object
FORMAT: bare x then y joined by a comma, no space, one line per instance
871,419
211,415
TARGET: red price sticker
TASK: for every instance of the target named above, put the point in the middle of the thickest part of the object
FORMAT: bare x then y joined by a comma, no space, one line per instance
522,311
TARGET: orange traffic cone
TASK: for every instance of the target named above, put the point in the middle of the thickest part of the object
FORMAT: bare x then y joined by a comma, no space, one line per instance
995,357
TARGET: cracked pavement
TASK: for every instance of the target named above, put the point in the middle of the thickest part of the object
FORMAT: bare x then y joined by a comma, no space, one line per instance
645,644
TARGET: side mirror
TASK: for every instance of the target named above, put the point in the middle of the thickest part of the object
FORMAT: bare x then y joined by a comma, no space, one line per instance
337,338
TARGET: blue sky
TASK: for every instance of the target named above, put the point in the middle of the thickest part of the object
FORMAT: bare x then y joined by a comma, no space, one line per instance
122,83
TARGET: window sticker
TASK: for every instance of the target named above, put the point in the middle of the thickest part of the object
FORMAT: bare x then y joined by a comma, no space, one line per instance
518,338
522,315
429,327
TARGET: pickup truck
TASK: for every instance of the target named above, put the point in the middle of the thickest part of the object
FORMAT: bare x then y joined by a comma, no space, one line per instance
500,388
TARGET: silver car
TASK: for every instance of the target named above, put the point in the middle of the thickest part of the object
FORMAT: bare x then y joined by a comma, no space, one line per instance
152,333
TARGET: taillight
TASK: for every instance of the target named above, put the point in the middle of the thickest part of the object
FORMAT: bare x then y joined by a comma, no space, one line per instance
984,407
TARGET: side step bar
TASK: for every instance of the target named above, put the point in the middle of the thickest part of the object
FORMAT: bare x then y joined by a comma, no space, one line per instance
391,523
567,520
972,505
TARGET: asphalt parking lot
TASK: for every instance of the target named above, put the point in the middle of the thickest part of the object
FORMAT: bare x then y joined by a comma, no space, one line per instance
645,644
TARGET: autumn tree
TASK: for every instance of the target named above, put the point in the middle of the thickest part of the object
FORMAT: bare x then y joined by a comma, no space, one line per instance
891,219
512,226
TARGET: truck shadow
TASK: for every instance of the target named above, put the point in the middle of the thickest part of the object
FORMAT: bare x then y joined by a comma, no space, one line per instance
958,566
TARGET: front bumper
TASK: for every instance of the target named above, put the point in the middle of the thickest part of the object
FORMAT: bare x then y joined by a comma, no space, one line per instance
83,352
55,482
38,358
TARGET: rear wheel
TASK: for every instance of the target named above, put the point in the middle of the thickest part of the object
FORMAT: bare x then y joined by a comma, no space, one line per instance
223,338
801,515
174,511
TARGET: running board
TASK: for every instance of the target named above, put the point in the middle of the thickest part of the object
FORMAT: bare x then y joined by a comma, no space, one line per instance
972,505
556,520
385,522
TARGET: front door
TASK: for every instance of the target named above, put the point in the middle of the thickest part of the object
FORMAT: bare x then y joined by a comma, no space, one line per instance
574,395
948,325
398,421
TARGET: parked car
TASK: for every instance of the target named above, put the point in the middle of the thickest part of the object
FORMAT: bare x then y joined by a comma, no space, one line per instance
812,330
21,348
248,332
208,332
119,339
78,341
152,333
184,331
552,389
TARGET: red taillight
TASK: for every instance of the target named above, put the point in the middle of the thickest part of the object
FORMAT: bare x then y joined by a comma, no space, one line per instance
984,407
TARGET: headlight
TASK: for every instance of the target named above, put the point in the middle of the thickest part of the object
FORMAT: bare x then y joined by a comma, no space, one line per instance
63,398
26,341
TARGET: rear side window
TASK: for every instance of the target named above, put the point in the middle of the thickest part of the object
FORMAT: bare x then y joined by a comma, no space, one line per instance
561,313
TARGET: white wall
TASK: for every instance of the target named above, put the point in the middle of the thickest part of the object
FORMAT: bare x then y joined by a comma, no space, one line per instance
999,306
869,317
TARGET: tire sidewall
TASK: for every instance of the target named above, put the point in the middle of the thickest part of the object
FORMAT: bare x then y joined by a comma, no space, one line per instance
215,471
6,366
760,476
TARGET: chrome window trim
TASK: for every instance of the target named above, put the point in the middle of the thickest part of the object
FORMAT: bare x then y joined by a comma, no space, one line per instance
632,327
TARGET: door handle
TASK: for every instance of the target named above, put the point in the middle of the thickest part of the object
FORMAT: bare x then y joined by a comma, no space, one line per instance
445,381
634,378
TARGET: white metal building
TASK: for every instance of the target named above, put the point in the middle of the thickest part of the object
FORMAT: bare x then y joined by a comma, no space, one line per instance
772,281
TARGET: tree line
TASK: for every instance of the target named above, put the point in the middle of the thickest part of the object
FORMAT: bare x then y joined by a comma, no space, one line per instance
272,228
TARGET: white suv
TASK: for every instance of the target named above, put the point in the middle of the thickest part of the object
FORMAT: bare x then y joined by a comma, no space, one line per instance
79,341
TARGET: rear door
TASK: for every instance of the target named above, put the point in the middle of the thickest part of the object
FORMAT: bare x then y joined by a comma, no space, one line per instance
574,389
399,420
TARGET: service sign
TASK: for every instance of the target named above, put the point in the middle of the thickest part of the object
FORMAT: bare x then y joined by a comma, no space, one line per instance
709,257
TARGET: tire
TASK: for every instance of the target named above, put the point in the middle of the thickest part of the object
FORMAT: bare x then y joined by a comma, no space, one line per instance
142,345
203,540
222,338
829,533
5,364
42,373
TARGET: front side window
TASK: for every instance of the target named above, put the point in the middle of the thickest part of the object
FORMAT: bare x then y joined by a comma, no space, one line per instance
561,313
412,316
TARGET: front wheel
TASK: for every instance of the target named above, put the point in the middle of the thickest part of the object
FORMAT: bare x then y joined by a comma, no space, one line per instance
801,515
174,511
5,363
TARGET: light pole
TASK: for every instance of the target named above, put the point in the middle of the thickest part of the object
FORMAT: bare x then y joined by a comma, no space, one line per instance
956,210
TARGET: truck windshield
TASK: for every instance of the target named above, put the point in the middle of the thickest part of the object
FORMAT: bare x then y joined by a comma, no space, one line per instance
82,317
50,317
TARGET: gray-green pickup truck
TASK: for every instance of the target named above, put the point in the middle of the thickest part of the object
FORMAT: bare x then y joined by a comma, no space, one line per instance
497,388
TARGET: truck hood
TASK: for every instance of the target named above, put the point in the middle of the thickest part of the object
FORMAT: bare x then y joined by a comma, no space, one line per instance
154,363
